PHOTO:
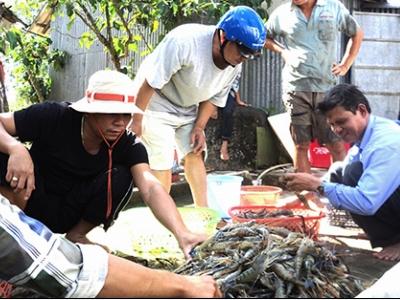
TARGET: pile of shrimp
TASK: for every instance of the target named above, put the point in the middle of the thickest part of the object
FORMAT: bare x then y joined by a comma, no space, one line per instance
250,260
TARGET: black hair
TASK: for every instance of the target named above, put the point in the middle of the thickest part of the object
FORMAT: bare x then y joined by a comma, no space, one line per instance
346,95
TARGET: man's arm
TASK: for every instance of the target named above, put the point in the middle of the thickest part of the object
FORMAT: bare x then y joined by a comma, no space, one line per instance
352,49
272,45
198,140
7,131
163,207
20,165
128,279
239,100
377,183
142,100
83,271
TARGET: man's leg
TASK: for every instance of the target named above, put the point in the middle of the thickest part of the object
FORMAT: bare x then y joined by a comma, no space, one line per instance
337,150
300,162
15,198
227,125
382,228
299,106
325,134
93,203
159,139
165,177
77,234
224,152
195,173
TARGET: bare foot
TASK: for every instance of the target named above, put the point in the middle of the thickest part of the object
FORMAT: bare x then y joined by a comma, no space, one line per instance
224,155
391,253
82,239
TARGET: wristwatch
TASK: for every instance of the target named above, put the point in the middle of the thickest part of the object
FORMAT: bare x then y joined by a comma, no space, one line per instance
320,190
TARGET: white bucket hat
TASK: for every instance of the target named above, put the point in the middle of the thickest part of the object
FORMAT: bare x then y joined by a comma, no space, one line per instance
108,92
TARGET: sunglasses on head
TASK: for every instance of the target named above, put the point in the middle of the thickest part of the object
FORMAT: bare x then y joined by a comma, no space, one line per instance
247,52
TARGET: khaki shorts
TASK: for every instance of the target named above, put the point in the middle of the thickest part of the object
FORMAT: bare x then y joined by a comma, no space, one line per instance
306,122
163,133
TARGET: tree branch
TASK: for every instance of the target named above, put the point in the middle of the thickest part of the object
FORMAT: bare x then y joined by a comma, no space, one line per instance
126,26
108,28
90,22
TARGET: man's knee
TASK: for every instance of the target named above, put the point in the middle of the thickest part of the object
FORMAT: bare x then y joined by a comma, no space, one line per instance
302,147
121,187
352,173
122,179
337,149
191,159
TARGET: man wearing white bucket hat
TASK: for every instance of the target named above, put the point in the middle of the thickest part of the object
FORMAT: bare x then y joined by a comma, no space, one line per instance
80,168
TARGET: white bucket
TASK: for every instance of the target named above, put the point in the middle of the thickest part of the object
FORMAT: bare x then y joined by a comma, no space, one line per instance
223,192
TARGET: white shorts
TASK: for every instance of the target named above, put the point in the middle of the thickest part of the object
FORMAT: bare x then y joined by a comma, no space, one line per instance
163,133
31,255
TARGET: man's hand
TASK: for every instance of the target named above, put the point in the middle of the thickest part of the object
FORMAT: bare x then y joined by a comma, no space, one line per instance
189,240
301,181
201,287
339,69
242,103
312,199
20,171
198,140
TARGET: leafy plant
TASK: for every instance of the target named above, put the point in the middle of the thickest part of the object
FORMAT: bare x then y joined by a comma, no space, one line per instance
120,24
32,59
30,55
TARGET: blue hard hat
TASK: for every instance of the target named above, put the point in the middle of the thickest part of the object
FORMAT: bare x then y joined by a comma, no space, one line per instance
243,25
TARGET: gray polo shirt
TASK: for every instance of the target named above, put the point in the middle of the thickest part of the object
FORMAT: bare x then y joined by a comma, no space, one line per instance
312,43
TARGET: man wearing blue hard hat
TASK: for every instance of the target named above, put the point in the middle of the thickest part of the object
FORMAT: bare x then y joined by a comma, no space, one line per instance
182,82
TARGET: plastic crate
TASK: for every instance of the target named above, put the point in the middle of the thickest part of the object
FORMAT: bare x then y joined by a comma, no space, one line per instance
259,195
319,155
303,220
341,218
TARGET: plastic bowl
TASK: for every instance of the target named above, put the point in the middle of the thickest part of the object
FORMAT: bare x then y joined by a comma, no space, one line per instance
259,195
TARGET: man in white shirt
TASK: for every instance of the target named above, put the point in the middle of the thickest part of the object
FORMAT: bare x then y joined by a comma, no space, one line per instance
182,82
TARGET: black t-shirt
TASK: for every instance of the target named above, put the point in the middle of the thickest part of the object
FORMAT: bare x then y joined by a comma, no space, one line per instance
57,150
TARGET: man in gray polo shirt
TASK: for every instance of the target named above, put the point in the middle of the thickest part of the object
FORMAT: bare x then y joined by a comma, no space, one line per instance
308,29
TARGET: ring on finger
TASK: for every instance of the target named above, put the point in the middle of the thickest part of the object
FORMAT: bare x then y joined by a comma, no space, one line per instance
14,178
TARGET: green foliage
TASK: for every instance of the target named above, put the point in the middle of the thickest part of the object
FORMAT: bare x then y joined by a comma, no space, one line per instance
119,24
177,12
32,59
